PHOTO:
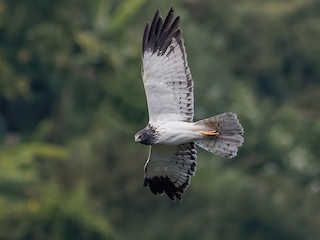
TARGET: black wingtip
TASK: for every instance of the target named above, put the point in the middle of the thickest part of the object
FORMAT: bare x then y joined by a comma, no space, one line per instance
161,184
158,35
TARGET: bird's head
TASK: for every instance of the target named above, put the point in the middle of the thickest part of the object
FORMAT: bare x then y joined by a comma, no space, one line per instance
143,136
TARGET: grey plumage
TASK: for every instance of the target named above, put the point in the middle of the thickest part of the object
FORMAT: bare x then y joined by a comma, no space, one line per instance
147,135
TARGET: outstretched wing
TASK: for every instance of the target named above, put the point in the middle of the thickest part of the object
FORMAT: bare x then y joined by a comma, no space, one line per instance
167,79
169,169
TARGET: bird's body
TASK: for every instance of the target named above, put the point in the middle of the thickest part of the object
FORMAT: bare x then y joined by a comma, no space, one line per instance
171,132
176,132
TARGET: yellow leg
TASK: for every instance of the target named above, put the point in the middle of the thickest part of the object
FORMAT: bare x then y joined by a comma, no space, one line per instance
210,133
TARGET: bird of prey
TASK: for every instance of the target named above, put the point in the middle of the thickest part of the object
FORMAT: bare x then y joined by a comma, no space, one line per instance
171,132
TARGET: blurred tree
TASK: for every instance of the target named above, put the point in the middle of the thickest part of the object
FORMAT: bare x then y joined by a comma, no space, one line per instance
71,98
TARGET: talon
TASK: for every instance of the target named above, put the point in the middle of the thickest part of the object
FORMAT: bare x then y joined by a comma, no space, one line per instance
211,133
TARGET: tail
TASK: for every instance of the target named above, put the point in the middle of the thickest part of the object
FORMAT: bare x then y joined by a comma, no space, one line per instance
221,134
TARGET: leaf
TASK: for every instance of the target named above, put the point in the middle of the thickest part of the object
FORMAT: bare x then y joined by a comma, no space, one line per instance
124,13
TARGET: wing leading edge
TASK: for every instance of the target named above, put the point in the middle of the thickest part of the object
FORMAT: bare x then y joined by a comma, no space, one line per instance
165,72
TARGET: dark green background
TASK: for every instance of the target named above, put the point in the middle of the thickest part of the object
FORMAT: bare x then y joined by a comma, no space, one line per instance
71,99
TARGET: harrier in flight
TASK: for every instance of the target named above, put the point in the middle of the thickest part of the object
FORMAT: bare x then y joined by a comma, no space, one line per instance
171,132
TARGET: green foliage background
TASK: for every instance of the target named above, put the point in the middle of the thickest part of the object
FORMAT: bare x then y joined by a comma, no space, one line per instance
71,99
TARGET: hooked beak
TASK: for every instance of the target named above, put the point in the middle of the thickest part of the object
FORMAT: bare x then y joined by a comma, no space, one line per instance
136,138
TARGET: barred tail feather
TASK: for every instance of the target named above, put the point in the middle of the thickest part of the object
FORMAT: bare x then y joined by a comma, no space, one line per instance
222,134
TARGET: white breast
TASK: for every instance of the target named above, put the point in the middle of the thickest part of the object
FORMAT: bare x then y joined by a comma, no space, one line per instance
174,133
